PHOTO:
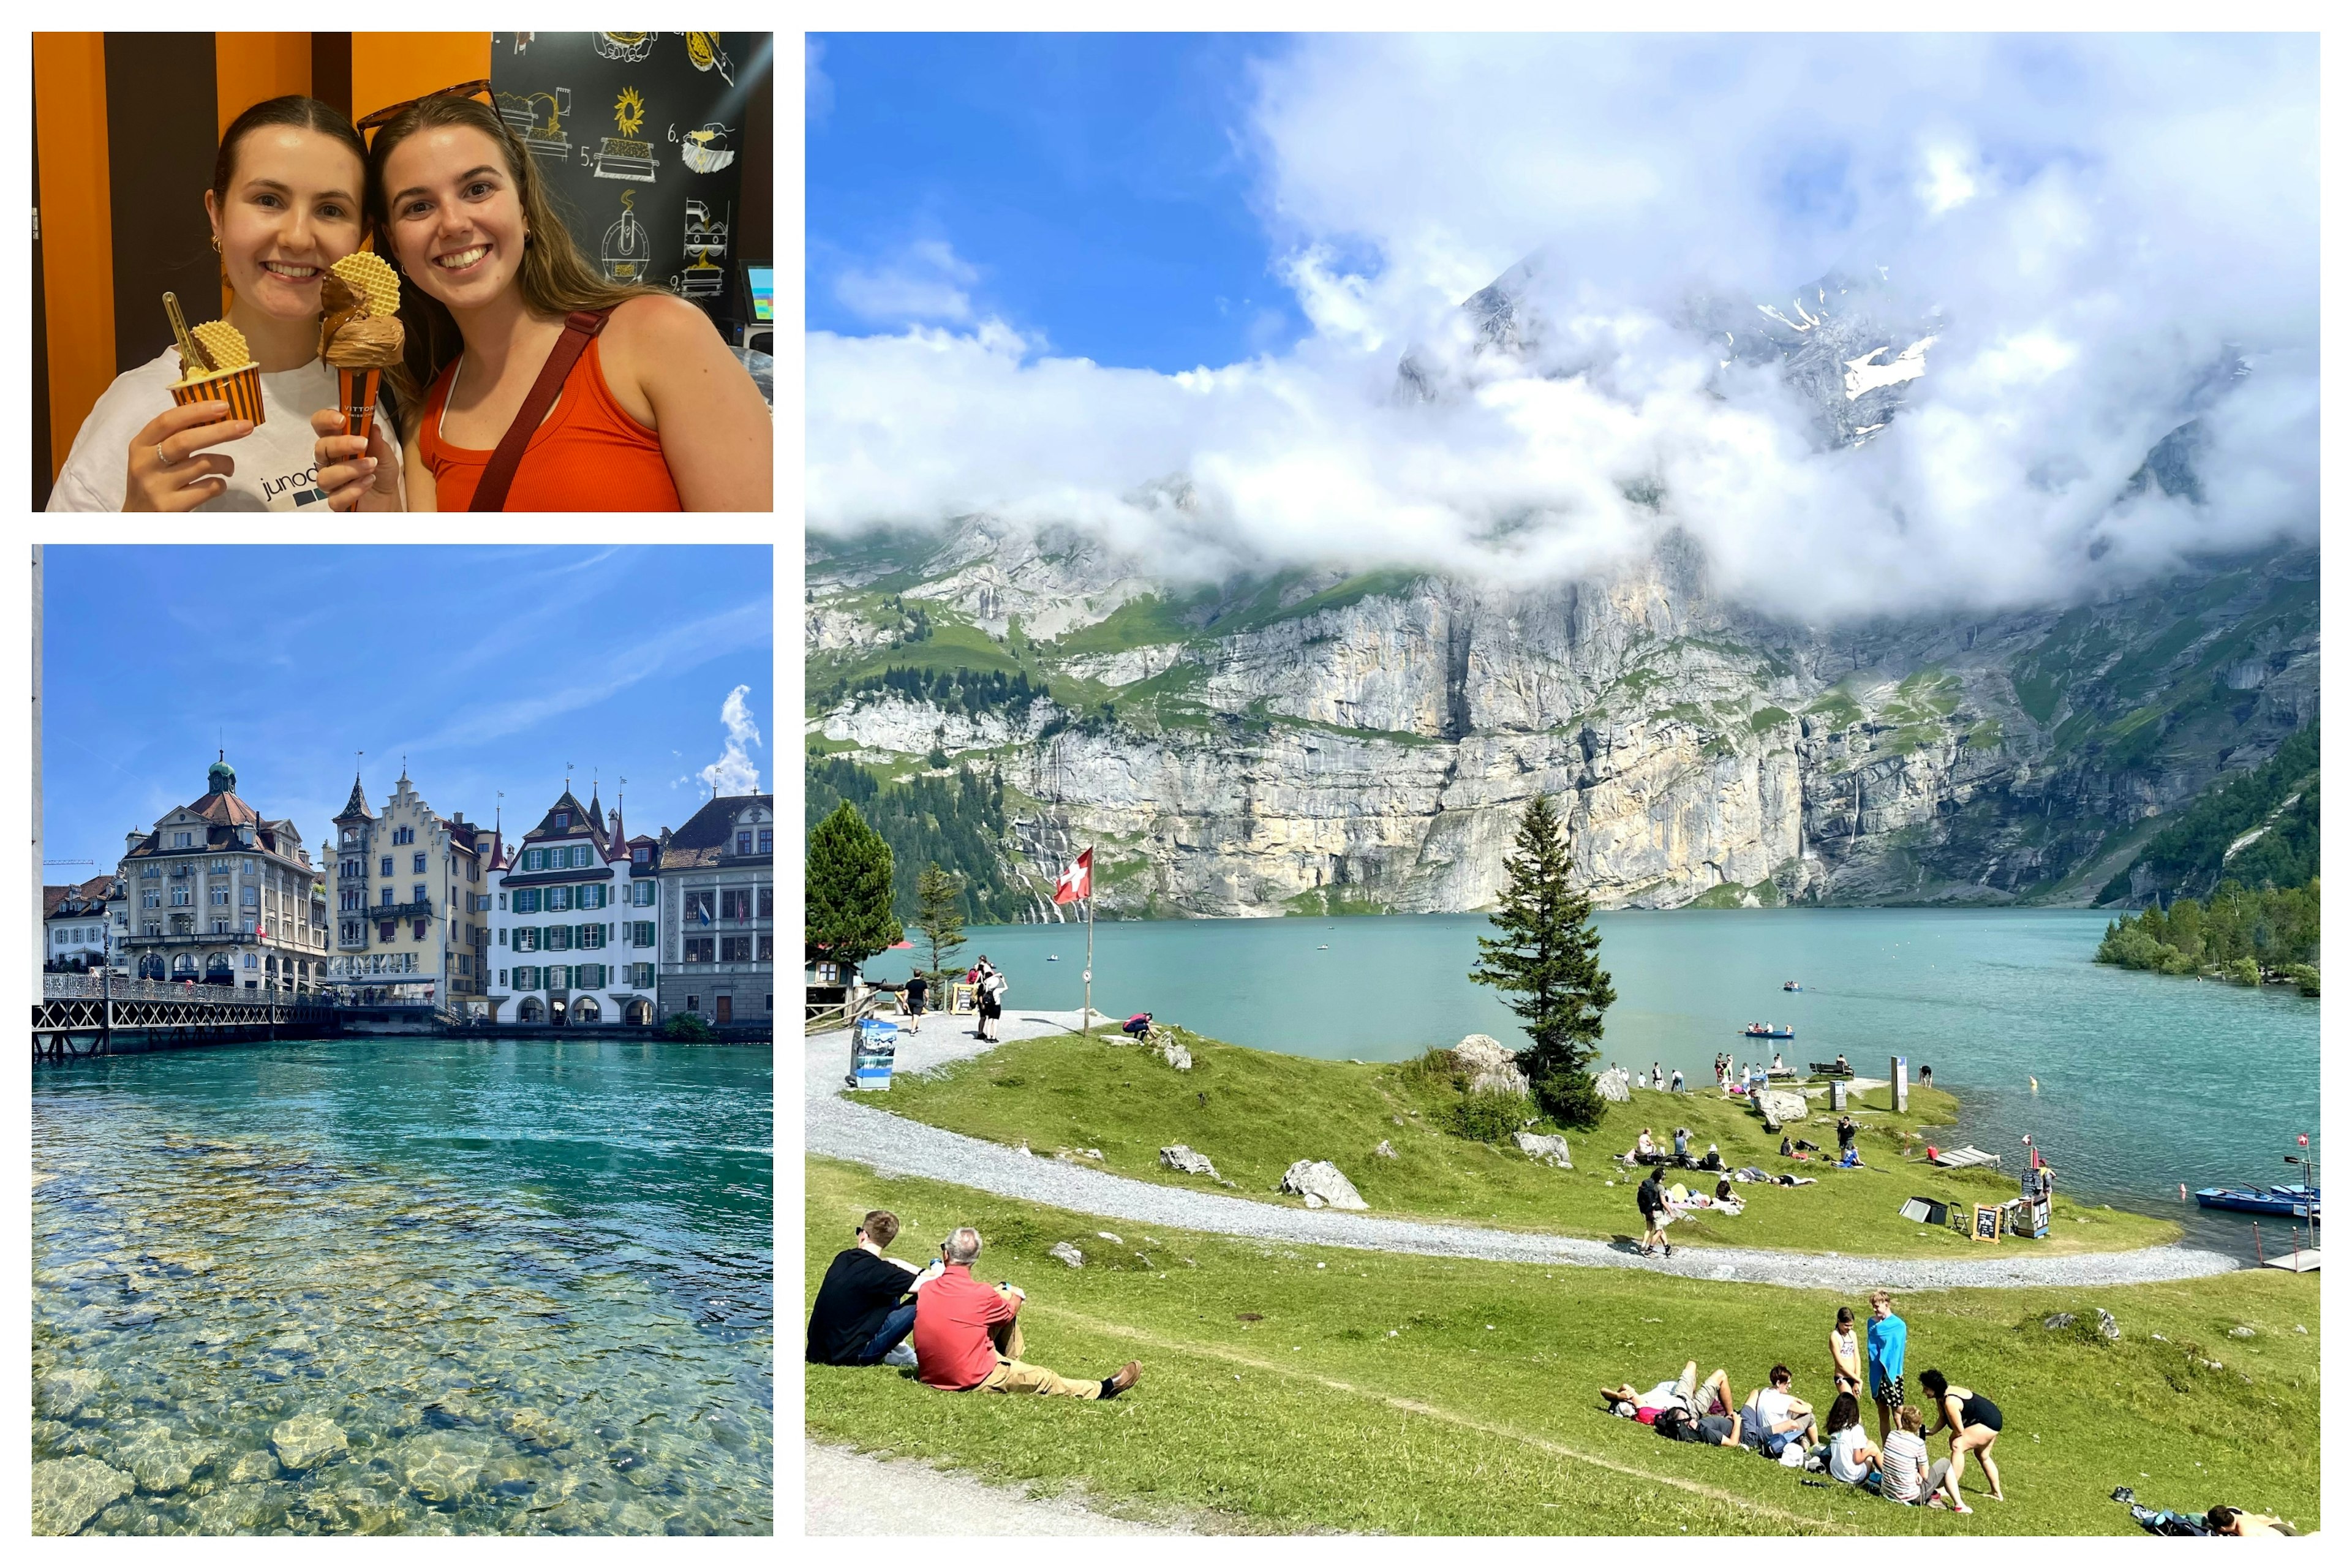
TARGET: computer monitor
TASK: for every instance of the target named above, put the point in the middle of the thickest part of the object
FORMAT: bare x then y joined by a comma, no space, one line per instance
760,285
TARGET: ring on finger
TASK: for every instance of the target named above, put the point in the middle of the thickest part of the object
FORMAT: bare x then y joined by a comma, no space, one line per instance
165,461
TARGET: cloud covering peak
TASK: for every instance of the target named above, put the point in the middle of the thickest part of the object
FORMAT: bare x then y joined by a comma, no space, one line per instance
2096,240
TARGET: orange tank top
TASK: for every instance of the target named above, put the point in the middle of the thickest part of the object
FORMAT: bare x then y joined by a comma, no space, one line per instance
588,456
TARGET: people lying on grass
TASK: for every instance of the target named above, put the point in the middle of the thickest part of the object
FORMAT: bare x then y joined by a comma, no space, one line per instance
1853,1457
1719,1431
1974,1422
1727,1201
1848,1160
968,1335
1685,1392
866,1306
1887,1337
2223,1520
1778,1411
1845,1353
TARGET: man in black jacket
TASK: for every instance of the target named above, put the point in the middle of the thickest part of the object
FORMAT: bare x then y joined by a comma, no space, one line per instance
865,1306
1650,1199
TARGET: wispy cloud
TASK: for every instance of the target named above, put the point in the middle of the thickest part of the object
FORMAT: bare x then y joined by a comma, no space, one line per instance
926,281
818,86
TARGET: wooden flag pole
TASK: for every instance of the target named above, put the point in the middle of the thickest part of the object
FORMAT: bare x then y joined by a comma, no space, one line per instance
1087,1023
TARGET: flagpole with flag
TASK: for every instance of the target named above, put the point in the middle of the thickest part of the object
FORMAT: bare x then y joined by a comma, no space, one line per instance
1078,882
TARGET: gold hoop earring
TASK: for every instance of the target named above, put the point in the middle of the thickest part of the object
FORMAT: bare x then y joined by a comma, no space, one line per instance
216,249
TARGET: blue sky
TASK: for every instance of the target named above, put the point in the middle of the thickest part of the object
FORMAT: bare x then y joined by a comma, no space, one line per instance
490,668
1092,188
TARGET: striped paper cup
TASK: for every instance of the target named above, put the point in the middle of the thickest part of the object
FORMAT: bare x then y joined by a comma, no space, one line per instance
356,385
240,389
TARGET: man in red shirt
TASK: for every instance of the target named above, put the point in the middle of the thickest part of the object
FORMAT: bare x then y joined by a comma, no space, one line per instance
968,1336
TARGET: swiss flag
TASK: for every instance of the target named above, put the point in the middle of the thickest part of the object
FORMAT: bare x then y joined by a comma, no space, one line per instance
1078,881
2303,1139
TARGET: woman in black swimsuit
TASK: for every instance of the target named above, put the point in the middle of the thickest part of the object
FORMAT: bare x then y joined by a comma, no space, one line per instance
1974,1422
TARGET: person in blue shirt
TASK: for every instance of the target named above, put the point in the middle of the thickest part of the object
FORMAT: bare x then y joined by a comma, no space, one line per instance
1888,1336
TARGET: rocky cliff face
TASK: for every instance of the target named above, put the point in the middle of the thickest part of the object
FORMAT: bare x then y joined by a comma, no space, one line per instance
1331,744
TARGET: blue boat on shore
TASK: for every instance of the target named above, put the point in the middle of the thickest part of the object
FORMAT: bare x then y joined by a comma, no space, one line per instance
2295,1202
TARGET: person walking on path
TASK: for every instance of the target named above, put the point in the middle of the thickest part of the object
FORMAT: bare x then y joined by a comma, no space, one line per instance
968,1335
1650,1197
1846,1355
918,989
863,1309
1889,1335
1974,1422
988,997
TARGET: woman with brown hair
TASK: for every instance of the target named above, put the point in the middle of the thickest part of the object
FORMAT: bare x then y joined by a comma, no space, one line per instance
284,204
653,413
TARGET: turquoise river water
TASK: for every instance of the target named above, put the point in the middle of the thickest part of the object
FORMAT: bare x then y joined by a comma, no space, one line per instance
2145,1081
404,1287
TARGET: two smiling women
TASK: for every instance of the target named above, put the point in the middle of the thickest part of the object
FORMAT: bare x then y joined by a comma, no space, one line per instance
654,414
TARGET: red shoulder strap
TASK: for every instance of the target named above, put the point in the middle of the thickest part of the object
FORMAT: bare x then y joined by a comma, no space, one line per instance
490,495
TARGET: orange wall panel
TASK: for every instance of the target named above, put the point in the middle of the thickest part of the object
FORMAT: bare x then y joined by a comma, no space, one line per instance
250,69
389,67
77,228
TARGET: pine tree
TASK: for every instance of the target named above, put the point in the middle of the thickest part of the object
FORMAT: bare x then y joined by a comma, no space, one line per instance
848,913
1547,963
939,916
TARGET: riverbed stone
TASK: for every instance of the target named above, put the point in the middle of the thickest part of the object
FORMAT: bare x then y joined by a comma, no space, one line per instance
1187,1159
63,1393
1491,1068
67,1492
161,1459
254,1465
1614,1086
535,1427
1321,1180
1552,1149
305,1439
440,1467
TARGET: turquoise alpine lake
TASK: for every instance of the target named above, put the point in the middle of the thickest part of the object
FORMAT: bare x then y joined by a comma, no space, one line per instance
2132,1084
405,1286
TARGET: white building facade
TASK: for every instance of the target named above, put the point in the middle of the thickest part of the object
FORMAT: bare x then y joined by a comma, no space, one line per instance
573,919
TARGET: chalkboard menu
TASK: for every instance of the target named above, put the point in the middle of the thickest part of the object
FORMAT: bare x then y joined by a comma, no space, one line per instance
640,137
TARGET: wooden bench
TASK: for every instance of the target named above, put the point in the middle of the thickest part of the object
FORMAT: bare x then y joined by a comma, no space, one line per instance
1829,1069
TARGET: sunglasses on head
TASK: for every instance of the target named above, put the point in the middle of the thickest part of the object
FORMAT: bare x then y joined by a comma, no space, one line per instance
463,90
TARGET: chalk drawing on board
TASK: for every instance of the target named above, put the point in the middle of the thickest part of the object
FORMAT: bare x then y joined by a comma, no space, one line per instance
624,157
536,121
628,249
705,151
702,50
705,245
629,48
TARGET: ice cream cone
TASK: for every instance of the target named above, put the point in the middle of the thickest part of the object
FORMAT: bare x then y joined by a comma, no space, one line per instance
357,385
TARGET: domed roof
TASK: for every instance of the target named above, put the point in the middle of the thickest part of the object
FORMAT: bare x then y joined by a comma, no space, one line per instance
220,778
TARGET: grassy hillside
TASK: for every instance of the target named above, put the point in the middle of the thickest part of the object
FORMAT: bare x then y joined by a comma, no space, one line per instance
1291,1389
2194,852
1255,1112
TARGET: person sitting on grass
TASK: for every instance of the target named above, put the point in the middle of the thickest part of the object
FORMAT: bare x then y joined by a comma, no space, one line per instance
1727,1199
1686,1394
1651,1199
1645,1147
1780,1411
1905,1475
862,1312
1974,1422
1853,1457
968,1335
1714,1160
1682,1145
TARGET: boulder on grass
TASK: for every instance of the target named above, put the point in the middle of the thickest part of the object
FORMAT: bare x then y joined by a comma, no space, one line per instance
1175,1055
1190,1161
1780,1107
1614,1086
1319,1181
1384,1152
1068,1254
1550,1147
1491,1068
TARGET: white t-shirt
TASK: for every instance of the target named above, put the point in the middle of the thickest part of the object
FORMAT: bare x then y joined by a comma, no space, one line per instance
275,471
1773,1406
1846,1463
1903,1469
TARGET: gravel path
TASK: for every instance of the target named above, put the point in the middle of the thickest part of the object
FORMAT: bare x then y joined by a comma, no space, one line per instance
859,1131
849,1493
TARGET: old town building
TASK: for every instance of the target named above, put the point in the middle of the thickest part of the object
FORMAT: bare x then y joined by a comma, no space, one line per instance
718,909
575,916
74,920
221,895
411,901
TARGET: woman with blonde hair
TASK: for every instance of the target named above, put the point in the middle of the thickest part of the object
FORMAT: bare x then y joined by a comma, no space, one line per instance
639,404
